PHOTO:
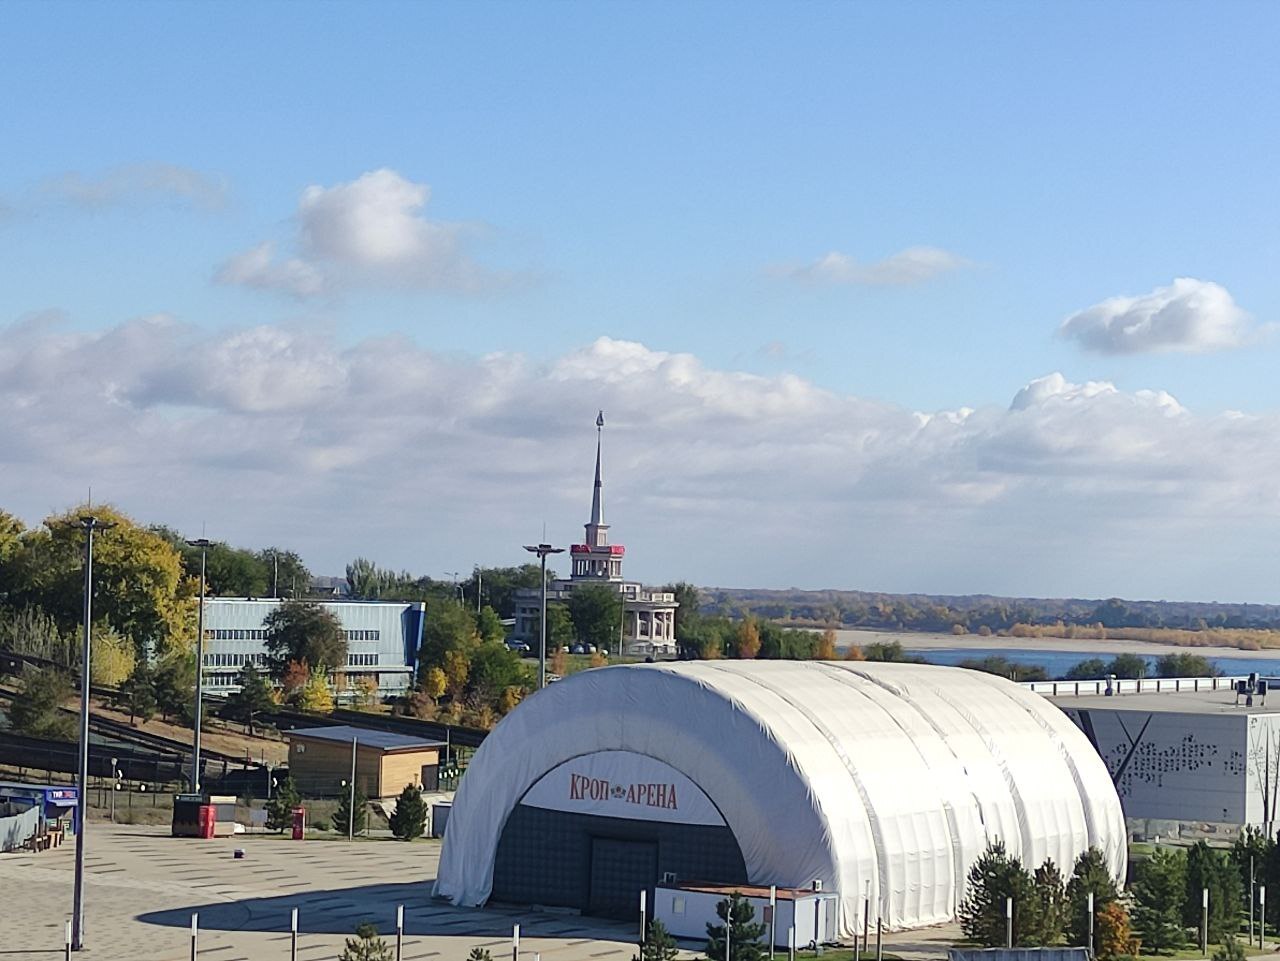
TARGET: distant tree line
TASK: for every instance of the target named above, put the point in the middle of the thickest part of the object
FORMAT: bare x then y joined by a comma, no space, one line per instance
971,614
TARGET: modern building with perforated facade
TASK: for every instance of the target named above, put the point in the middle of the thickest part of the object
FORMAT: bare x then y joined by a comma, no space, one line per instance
883,781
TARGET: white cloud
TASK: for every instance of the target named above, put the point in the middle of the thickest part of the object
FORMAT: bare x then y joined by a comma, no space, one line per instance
1188,316
258,267
910,266
371,231
135,183
389,449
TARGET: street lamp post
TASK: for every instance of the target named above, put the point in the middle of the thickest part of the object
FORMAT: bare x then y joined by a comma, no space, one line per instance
542,550
88,524
203,544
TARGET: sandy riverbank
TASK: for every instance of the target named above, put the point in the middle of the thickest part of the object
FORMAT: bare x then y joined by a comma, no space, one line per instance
914,641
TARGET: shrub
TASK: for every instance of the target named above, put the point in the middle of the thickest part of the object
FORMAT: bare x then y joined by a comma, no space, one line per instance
410,818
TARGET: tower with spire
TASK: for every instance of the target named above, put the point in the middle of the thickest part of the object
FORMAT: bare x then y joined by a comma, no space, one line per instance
596,559
648,627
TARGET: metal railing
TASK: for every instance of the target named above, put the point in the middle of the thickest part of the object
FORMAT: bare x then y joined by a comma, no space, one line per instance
1134,685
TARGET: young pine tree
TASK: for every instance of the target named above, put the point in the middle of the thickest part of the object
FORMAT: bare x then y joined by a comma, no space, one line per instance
348,818
736,914
993,879
1158,898
366,946
280,807
410,818
1052,899
1090,874
658,944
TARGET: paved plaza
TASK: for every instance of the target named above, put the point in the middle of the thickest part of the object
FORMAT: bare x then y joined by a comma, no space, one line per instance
142,887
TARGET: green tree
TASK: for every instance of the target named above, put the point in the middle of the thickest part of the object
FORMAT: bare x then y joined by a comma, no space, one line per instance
489,626
1207,868
137,693
1090,874
409,820
596,611
1158,897
449,626
139,586
1229,950
1128,666
287,575
346,817
37,707
479,954
280,807
366,945
994,878
253,698
658,944
559,626
737,915
304,631
498,585
174,684
29,630
688,599
1051,895
1093,668
1185,665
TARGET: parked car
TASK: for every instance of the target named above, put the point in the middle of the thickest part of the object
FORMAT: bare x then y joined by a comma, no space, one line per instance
520,647
577,649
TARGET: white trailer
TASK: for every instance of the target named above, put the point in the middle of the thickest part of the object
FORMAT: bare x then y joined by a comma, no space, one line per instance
686,910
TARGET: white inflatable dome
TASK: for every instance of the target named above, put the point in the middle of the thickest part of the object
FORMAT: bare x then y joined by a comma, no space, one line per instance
887,777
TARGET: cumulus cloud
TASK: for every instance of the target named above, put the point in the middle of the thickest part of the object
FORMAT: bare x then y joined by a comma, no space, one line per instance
1188,316
264,431
910,266
135,183
372,231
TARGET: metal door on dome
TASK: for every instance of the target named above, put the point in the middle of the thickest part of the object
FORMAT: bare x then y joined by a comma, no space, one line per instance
620,870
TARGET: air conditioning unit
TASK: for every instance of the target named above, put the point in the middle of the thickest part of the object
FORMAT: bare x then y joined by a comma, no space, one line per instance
668,877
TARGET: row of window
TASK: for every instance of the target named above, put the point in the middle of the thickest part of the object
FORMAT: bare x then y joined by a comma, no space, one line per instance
258,660
234,660
231,680
260,634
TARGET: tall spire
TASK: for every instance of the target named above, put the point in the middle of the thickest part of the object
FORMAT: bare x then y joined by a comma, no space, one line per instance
597,511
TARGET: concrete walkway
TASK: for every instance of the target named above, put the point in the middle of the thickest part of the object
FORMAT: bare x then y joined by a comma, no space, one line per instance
142,887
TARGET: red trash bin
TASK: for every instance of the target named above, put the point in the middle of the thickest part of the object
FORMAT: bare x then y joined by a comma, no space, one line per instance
208,817
299,822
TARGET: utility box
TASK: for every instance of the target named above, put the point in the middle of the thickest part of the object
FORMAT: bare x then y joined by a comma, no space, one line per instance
299,823
686,908
186,815
440,818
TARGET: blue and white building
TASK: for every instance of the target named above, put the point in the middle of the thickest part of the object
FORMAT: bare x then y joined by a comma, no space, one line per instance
382,640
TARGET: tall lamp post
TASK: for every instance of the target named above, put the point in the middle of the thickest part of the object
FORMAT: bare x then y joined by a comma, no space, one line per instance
542,550
203,544
88,524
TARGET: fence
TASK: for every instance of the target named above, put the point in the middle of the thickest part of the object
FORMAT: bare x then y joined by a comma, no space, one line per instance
1134,685
15,830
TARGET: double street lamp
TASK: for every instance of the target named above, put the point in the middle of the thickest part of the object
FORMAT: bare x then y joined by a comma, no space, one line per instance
542,550
203,544
89,524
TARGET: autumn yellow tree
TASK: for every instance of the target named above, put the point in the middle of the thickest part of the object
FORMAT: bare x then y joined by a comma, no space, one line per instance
747,638
825,649
457,667
434,683
113,658
140,588
854,653
315,695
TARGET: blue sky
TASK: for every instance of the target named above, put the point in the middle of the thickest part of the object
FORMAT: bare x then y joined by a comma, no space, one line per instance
673,176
